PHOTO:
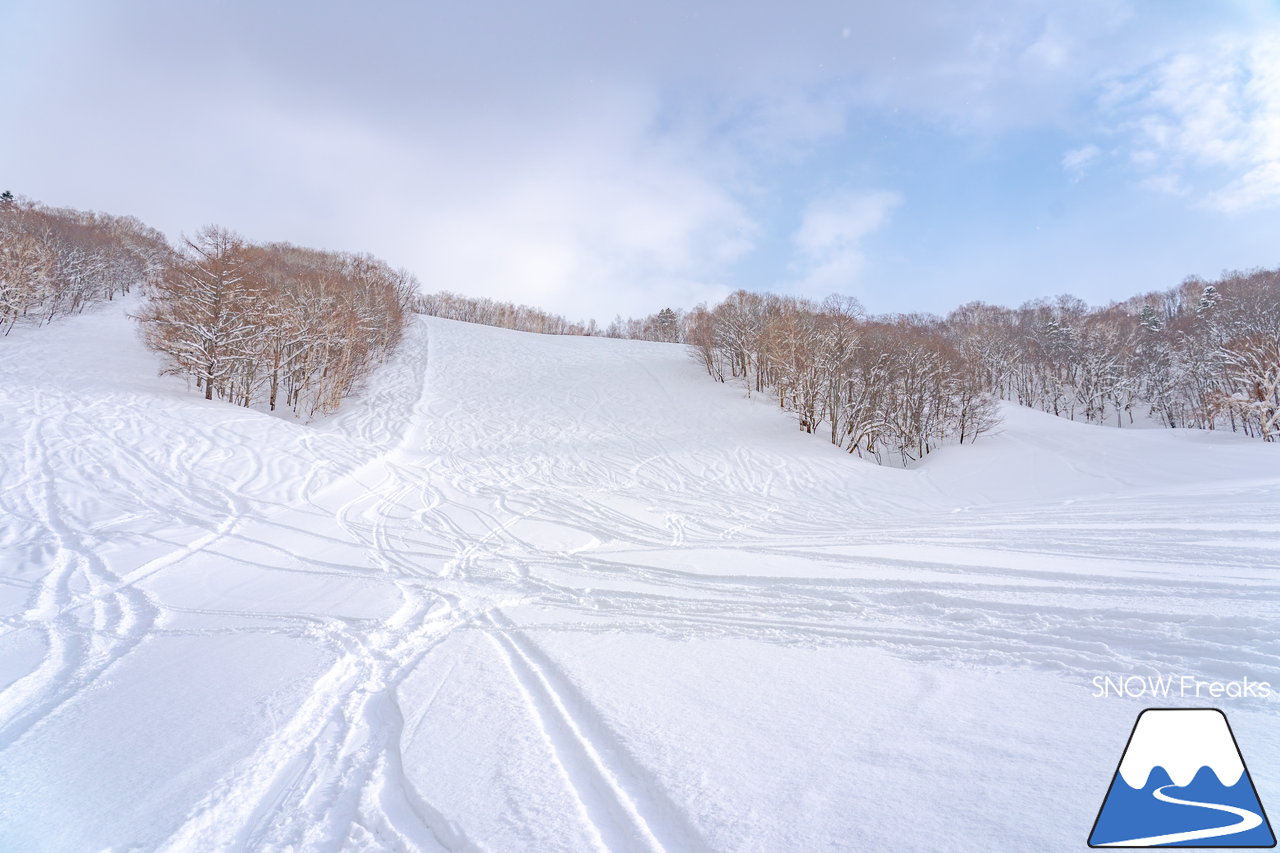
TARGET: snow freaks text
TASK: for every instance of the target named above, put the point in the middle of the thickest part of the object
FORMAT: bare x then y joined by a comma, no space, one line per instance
1177,687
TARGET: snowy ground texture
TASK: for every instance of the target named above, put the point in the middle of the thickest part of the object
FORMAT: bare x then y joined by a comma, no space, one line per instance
538,593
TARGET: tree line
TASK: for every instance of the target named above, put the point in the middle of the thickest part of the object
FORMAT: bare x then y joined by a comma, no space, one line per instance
283,326
274,324
666,325
268,324
504,315
891,390
1200,355
56,261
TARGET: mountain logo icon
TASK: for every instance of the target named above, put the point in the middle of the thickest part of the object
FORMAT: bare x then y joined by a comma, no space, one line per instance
1181,782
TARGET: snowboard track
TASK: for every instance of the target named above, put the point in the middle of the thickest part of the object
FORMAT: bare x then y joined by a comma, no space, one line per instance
416,495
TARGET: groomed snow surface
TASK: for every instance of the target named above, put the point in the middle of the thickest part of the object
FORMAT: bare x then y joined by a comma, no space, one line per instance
532,593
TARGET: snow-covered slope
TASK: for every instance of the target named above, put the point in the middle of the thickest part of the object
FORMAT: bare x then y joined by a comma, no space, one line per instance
539,593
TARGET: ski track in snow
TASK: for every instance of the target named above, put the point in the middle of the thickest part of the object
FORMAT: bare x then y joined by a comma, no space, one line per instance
517,487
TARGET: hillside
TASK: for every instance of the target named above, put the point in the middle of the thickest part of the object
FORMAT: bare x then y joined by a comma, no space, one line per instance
535,593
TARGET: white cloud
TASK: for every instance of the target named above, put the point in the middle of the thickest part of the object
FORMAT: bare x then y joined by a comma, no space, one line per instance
1207,123
1165,184
592,158
586,235
1053,48
1077,160
829,254
1257,188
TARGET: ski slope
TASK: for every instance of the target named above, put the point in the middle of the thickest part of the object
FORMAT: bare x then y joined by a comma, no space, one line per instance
543,593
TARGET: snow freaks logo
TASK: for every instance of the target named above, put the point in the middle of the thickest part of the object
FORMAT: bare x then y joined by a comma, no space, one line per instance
1177,686
1181,782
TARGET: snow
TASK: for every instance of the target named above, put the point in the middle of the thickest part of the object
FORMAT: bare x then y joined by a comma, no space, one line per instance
559,593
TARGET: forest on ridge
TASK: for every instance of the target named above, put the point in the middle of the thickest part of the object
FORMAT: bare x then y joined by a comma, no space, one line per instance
284,327
1201,355
272,324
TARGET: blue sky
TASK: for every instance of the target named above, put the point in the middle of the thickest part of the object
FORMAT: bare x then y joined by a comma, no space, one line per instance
599,158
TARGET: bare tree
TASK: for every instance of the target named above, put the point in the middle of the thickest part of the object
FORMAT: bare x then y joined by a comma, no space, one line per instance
200,310
55,262
275,324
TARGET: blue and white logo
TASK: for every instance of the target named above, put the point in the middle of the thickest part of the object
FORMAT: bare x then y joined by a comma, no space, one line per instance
1182,782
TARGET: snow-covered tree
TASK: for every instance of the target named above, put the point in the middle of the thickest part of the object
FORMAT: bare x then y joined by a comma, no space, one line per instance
275,324
201,310
55,262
